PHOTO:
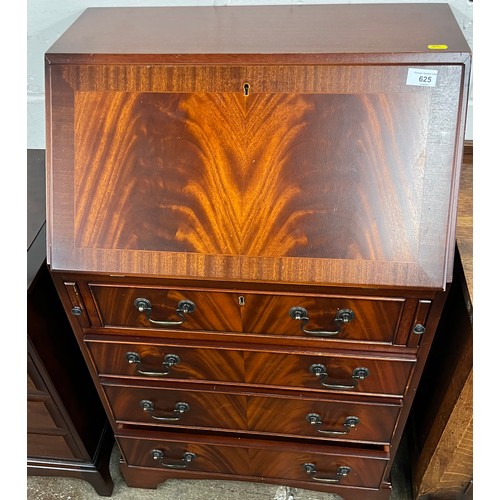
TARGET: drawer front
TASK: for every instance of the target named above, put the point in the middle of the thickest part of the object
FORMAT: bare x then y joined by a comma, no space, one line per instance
339,420
163,407
212,311
272,461
325,373
39,417
342,317
35,384
49,446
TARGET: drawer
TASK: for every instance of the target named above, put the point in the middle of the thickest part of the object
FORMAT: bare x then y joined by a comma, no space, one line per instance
263,414
42,413
256,459
116,306
348,318
49,446
39,417
360,374
333,317
36,387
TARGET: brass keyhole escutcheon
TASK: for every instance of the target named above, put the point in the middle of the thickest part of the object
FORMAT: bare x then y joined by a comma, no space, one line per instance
246,89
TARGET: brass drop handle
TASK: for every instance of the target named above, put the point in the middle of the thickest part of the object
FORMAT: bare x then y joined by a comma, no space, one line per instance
183,307
342,472
173,416
349,423
168,361
358,374
187,458
342,317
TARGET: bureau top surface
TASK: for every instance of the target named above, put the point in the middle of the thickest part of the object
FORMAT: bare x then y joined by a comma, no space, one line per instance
204,33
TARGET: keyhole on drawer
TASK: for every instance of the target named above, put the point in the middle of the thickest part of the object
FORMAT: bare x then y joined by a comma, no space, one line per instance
246,89
241,300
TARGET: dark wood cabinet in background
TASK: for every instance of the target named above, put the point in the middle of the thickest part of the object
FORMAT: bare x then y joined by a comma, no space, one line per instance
252,218
68,432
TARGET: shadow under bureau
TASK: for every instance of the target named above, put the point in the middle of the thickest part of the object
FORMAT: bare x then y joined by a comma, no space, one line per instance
251,223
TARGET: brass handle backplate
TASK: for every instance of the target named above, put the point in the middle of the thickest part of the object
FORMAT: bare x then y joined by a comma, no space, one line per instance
183,307
349,423
342,472
187,458
169,361
320,371
173,416
342,317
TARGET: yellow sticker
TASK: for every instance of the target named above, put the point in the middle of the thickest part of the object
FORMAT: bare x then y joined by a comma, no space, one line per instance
437,47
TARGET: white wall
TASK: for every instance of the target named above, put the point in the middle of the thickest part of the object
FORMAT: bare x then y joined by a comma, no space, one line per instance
48,19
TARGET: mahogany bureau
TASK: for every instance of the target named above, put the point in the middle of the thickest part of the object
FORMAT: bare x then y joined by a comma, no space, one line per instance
251,223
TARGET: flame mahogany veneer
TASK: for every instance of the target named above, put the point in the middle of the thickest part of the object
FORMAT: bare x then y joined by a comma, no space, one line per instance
251,223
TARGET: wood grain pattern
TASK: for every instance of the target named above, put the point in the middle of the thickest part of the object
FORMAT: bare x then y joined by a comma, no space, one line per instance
224,365
259,415
196,364
375,319
148,477
386,377
301,79
465,221
330,171
213,311
348,165
287,416
264,175
254,462
204,34
450,468
209,410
